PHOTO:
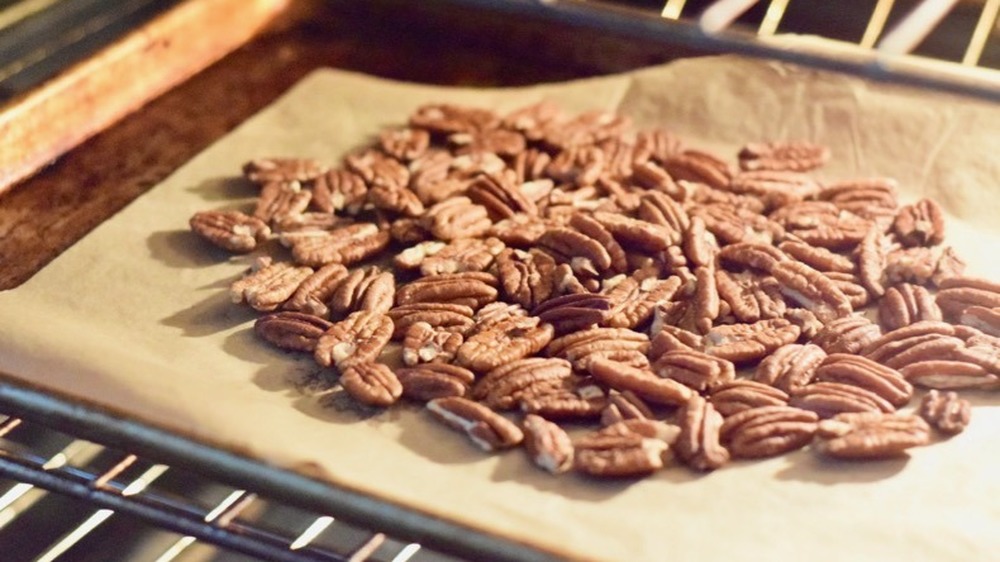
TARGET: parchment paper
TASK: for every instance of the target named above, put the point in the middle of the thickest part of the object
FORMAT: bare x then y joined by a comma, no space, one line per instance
136,317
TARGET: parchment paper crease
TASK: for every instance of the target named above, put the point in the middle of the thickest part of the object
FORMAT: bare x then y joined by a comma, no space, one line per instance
136,317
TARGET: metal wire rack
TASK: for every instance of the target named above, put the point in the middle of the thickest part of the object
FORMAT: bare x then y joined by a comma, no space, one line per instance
117,472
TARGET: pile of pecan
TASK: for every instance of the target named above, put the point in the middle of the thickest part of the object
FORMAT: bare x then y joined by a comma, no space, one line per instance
541,271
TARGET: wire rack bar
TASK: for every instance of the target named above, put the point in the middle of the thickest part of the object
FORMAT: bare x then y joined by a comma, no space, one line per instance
281,485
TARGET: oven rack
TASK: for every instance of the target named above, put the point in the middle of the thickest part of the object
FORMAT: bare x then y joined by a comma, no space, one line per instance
888,50
113,466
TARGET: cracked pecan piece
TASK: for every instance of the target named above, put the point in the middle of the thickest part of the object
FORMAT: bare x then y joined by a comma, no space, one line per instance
547,444
828,399
920,224
346,245
368,288
268,284
502,344
871,435
422,343
789,367
641,382
768,431
747,343
470,288
457,217
267,170
698,444
444,316
945,412
487,429
905,304
800,156
865,373
230,230
735,396
618,456
434,380
694,369
359,338
292,331
373,384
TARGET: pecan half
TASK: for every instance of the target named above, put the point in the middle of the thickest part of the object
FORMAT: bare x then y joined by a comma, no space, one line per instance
783,155
268,284
651,176
527,278
699,166
768,431
464,254
346,245
359,338
633,300
266,170
954,298
398,201
738,395
618,456
449,118
578,402
501,198
828,399
547,444
470,288
812,289
871,435
434,380
635,234
923,266
584,254
315,291
747,343
339,190
487,429
945,412
694,369
850,334
642,383
750,297
791,366
905,304
405,143
505,385
775,187
230,230
293,331
579,347
987,320
364,289
945,374
502,344
444,316
279,199
865,373
920,224
373,384
624,406
457,217
573,312
698,444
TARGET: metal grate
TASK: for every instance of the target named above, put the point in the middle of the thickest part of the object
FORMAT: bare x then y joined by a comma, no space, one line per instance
171,511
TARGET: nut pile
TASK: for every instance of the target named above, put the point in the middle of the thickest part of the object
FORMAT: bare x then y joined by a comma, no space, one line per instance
542,271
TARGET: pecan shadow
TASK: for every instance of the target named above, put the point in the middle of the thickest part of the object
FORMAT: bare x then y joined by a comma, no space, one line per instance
209,316
809,466
225,189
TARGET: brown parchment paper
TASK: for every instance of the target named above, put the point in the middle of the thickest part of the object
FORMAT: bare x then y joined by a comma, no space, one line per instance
136,317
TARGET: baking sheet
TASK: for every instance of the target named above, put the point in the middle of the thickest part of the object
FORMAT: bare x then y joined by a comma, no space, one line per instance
136,317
